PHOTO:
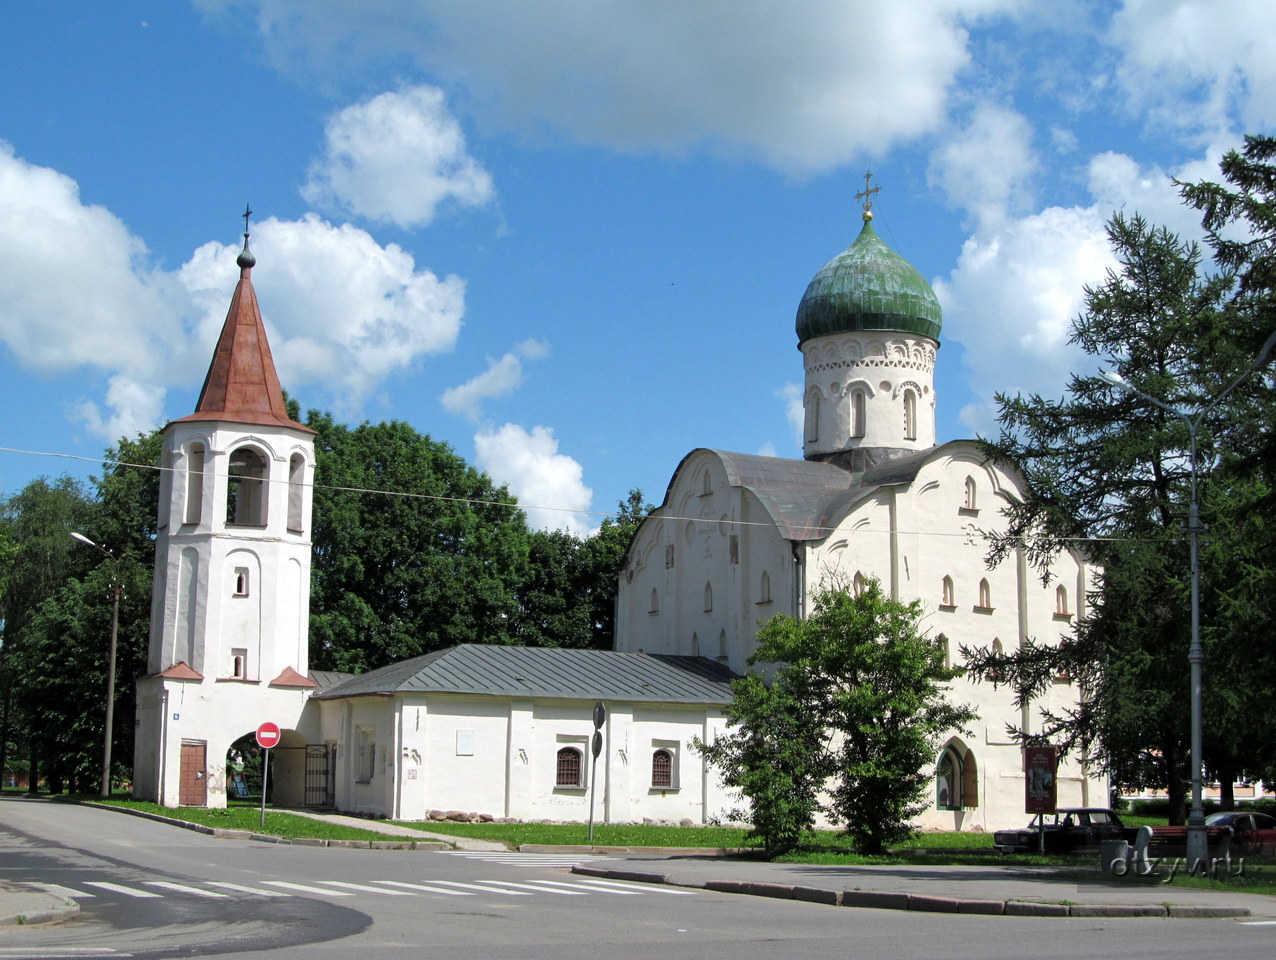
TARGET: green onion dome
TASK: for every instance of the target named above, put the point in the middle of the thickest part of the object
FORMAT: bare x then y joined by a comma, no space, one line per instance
868,287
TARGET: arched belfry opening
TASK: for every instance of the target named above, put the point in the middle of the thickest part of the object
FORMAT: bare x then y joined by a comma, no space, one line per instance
247,488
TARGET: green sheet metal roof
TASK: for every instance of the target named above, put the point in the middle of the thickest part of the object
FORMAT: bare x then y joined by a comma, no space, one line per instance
868,287
494,670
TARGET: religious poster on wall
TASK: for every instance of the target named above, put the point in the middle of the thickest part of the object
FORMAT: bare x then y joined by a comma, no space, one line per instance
1040,795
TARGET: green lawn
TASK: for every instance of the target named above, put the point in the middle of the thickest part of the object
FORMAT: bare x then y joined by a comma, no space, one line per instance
240,816
608,835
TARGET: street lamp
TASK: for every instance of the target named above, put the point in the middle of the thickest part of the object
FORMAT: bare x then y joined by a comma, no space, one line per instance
105,790
1197,839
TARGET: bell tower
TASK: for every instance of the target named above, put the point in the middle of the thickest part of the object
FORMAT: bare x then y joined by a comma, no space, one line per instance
230,601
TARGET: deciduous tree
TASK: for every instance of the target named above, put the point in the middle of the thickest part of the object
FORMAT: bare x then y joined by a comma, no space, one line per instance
856,706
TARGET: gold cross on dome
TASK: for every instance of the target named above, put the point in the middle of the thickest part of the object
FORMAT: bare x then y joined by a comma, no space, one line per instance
867,194
246,214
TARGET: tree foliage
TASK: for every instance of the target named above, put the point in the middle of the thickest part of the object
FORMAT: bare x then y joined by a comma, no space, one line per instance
1109,469
855,708
55,609
568,598
414,550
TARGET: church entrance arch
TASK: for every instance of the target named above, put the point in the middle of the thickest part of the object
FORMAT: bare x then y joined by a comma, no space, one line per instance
956,777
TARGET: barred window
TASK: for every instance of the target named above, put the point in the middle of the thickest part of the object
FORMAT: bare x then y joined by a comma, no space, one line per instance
662,769
569,768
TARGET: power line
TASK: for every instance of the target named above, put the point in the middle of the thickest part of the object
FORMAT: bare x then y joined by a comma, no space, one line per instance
407,494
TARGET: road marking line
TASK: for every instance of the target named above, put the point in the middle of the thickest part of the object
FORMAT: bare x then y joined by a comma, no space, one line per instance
241,888
644,887
127,891
1258,923
42,953
305,889
475,886
365,888
64,891
182,888
576,886
424,887
538,889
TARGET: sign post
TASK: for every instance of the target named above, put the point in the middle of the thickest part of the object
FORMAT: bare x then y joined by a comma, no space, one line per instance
1040,789
596,747
268,736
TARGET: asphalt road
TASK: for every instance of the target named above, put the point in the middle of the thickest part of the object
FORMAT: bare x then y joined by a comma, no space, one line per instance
149,890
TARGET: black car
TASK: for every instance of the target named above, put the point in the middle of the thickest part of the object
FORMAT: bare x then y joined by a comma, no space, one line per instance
1077,830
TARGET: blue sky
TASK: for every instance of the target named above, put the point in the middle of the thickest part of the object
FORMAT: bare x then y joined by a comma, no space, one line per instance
569,237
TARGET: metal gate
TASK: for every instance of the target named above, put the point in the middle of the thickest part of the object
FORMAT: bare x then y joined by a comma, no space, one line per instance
319,771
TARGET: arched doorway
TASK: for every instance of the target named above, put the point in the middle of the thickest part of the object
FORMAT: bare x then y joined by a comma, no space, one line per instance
956,777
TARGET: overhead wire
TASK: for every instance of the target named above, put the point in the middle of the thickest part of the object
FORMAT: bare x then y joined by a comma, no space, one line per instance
602,515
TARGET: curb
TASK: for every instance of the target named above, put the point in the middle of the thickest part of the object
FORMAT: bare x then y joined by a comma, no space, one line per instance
228,834
886,900
55,908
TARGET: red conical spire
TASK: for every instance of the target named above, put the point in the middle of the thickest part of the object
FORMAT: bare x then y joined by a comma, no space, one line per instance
241,385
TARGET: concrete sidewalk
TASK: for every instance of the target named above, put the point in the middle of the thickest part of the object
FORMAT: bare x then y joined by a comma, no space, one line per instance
995,889
22,904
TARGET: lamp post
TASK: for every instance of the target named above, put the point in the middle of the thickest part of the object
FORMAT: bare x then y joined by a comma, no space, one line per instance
105,790
1197,839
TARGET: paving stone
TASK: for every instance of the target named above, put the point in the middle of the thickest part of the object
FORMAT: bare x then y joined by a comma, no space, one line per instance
816,895
1117,910
875,898
992,908
1022,908
1201,910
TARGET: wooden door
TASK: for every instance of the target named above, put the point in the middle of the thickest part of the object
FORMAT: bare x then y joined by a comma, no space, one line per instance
193,786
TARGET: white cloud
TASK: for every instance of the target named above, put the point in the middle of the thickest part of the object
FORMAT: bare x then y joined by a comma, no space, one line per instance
804,85
343,312
133,407
548,484
1011,300
396,159
794,411
79,293
1218,54
1018,284
986,168
501,378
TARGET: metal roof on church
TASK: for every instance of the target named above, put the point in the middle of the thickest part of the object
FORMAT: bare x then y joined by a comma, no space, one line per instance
806,499
497,670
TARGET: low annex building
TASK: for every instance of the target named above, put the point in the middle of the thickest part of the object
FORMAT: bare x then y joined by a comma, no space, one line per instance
738,538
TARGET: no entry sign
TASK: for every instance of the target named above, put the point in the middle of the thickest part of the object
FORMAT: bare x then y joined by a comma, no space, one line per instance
268,735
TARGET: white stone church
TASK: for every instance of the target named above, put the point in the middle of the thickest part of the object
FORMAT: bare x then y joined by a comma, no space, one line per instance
739,538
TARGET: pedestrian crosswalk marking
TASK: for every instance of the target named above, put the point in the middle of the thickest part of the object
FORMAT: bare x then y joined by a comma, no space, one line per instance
120,888
578,889
395,888
364,888
305,889
424,887
639,887
530,859
241,888
475,886
538,889
183,888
